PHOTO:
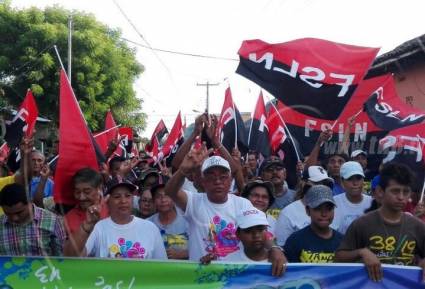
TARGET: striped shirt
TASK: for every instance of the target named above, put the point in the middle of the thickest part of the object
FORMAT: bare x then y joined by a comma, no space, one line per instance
43,236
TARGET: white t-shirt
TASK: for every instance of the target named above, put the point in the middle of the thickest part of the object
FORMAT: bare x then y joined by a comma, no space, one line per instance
293,218
138,239
212,226
346,212
240,256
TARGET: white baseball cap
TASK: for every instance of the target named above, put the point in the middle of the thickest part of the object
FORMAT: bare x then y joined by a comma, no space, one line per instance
358,152
349,169
214,161
316,174
250,218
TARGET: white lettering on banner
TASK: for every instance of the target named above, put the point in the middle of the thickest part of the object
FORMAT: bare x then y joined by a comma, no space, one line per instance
228,115
49,276
263,123
413,144
101,282
279,135
22,114
360,131
318,74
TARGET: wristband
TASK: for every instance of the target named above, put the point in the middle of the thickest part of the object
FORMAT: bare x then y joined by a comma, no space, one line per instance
277,247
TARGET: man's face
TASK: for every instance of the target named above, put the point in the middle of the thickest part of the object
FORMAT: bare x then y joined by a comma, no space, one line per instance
163,203
18,214
259,198
86,195
37,162
322,216
334,165
120,202
216,182
362,160
252,161
150,180
353,186
395,196
253,238
275,174
146,204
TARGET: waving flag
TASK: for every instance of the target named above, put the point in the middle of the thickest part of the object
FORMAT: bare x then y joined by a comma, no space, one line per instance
110,133
387,111
232,128
23,122
277,134
407,145
157,135
312,76
174,141
76,150
126,144
258,137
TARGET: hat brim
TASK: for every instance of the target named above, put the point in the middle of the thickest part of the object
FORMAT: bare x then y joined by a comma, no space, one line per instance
317,203
319,179
130,186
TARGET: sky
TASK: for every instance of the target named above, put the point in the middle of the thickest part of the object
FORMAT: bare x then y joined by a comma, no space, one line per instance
217,28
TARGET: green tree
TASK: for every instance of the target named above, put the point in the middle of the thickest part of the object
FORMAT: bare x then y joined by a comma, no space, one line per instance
103,66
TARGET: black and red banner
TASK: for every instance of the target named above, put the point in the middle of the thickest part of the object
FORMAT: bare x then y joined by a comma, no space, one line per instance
387,111
157,135
277,134
258,136
232,128
311,76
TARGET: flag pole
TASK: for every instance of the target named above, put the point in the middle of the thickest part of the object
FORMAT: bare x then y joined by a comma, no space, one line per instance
105,131
422,193
287,130
356,115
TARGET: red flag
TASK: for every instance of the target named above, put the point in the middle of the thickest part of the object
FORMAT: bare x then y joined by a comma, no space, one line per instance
277,134
175,135
23,122
258,138
111,125
76,149
232,128
157,135
126,144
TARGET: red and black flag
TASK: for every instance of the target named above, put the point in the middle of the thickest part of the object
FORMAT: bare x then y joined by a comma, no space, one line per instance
126,144
157,135
174,141
258,136
23,122
76,146
387,111
407,145
312,76
232,128
109,133
277,134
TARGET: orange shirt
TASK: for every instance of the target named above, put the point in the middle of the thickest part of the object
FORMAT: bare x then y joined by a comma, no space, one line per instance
75,217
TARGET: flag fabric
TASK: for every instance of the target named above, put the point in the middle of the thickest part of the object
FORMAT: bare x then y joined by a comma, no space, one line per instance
157,135
277,134
76,148
312,76
174,141
407,145
231,126
111,126
258,137
387,111
126,143
23,122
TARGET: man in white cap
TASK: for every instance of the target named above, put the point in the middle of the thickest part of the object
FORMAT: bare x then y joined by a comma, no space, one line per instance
212,215
353,203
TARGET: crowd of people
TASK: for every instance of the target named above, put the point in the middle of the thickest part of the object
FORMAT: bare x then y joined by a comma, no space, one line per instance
212,204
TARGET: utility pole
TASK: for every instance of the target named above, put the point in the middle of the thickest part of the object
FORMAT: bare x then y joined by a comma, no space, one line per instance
69,47
207,84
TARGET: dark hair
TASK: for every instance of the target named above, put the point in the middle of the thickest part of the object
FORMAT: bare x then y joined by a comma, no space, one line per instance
255,184
396,172
13,194
115,160
342,155
87,175
251,152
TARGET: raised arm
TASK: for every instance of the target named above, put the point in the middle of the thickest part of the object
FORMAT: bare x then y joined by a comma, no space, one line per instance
314,155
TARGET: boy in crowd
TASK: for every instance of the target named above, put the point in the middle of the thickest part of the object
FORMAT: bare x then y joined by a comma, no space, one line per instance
251,231
317,242
386,235
353,203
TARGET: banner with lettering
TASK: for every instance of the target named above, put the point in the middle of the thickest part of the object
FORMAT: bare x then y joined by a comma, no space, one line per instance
75,273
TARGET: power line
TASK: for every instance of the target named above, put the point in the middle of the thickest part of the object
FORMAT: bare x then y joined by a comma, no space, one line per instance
180,53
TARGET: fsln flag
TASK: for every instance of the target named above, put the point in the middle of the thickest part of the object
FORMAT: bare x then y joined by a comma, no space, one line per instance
387,111
111,126
232,128
23,122
277,134
407,145
157,135
258,136
174,141
76,150
126,144
313,76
